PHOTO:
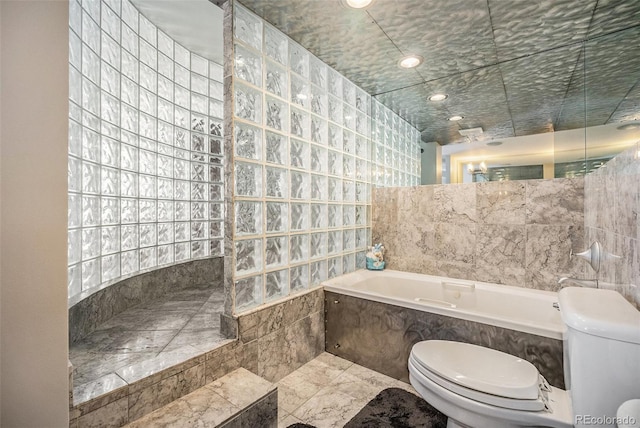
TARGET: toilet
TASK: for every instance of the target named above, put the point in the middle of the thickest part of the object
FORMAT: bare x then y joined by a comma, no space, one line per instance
481,387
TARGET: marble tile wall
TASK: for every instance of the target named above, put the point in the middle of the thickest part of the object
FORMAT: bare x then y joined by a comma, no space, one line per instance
88,313
514,232
611,215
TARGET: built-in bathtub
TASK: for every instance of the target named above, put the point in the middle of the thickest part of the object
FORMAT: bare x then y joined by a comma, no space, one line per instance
374,318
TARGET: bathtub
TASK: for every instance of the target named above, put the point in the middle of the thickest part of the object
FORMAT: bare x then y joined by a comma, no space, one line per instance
373,318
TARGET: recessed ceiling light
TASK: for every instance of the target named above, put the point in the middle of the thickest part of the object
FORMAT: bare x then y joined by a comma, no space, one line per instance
456,118
494,143
410,61
629,126
358,4
438,97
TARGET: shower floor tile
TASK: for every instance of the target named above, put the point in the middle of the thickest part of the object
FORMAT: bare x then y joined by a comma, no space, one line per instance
173,328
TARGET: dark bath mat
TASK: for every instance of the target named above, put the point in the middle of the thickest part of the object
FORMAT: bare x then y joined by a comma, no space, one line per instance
397,408
394,408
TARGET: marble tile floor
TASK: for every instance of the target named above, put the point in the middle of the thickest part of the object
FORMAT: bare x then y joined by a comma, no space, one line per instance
326,392
146,339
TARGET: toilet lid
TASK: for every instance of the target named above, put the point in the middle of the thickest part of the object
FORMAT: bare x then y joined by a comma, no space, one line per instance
478,368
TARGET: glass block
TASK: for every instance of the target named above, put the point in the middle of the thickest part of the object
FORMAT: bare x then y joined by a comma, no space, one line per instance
182,251
216,174
248,256
276,252
349,263
215,146
129,66
348,142
334,242
182,231
348,191
75,16
299,154
299,278
165,44
361,260
348,215
128,184
90,210
199,103
199,65
348,166
335,83
165,255
74,210
90,243
299,123
362,101
277,148
198,191
334,163
199,249
75,86
74,174
348,240
298,248
216,229
88,120
248,142
110,80
90,96
298,59
148,210
199,211
334,267
300,91
74,246
148,258
276,45
334,108
318,247
148,54
361,238
247,27
318,216
128,237
199,230
319,130
129,118
334,216
216,247
277,217
275,79
90,178
248,66
318,272
128,211
74,280
148,162
362,123
215,128
299,217
318,159
148,78
216,108
90,274
318,187
349,117
334,189
248,291
198,123
182,56
299,185
216,192
349,93
318,73
148,31
147,186
248,219
90,64
198,171
110,241
110,210
182,78
276,183
361,192
148,126
129,92
318,103
276,284
248,179
248,103
276,114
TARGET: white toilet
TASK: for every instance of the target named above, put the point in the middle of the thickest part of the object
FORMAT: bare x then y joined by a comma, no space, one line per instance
481,387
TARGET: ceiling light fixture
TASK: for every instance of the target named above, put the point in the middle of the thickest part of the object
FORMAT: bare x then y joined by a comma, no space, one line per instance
410,61
438,97
358,4
456,118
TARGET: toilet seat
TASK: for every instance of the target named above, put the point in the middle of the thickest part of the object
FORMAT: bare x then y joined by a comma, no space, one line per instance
481,374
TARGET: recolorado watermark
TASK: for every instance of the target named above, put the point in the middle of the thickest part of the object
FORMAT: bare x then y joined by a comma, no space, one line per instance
604,420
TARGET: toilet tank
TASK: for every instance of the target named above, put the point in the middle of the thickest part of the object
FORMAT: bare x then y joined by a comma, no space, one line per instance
602,349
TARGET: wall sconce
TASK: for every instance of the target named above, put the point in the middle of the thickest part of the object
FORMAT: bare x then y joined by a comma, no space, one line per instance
482,168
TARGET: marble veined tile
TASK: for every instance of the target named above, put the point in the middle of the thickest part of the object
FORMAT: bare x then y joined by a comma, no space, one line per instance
558,201
241,387
202,340
329,409
455,203
501,202
102,385
142,370
140,341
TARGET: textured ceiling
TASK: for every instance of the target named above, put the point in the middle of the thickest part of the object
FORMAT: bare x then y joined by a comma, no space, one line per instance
512,67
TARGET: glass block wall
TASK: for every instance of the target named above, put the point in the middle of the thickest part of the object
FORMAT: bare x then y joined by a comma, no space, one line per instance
301,140
145,148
